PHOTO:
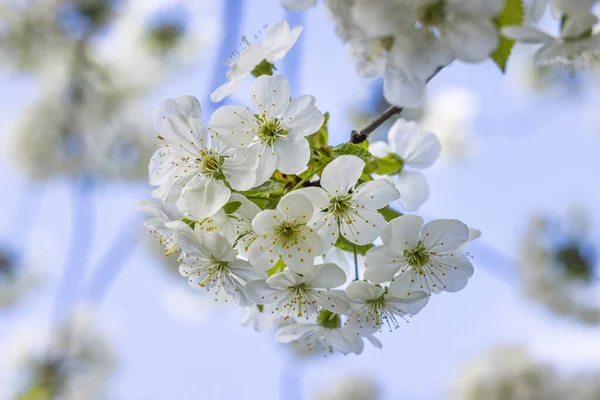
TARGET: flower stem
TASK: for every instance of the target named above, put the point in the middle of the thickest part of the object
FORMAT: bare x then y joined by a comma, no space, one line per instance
360,136
356,277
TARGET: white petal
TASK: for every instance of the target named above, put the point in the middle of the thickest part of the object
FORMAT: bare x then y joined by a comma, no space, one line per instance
382,264
403,233
453,271
527,34
285,279
300,257
280,39
362,291
444,235
411,305
295,331
379,149
301,116
344,340
243,270
402,89
318,196
296,208
538,9
267,163
577,25
471,39
413,188
266,221
293,154
340,175
225,90
219,247
375,194
364,227
368,56
333,300
259,292
186,106
187,135
206,199
270,95
188,243
235,126
409,281
246,62
239,168
327,226
263,254
325,276
417,149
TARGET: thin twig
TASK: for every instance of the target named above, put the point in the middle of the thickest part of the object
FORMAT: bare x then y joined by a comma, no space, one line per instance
362,135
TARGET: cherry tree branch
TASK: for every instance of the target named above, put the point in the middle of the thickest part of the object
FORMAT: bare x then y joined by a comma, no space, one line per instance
360,136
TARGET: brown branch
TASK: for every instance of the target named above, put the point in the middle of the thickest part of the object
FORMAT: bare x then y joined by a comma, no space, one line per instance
362,135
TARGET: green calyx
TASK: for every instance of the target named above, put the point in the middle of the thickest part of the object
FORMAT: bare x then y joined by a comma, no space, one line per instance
165,37
329,320
263,68
418,256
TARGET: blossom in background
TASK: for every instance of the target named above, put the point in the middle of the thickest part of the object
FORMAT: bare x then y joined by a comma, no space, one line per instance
507,373
209,262
302,295
16,278
74,361
283,235
451,114
260,317
188,169
427,258
276,130
297,5
576,45
558,267
415,149
326,335
373,307
351,387
342,207
279,39
420,37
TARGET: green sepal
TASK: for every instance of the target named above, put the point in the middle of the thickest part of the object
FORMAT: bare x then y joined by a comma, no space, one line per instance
277,268
511,15
389,213
263,68
344,244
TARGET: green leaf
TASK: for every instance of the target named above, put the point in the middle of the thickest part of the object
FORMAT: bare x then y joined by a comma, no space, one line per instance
391,164
277,268
232,207
354,150
389,213
344,244
511,15
321,137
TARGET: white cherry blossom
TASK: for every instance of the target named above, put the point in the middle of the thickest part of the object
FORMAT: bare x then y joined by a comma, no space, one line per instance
574,46
279,39
191,167
302,295
326,335
416,149
276,129
283,235
374,306
428,257
163,222
210,262
185,106
341,206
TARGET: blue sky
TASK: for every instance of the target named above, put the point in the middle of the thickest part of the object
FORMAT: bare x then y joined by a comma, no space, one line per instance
538,154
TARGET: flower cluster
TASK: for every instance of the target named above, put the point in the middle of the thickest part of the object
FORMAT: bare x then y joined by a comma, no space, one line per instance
254,204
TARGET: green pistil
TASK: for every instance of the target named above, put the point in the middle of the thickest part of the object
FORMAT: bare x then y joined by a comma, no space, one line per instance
263,68
433,14
211,165
270,130
287,232
418,256
329,320
340,206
